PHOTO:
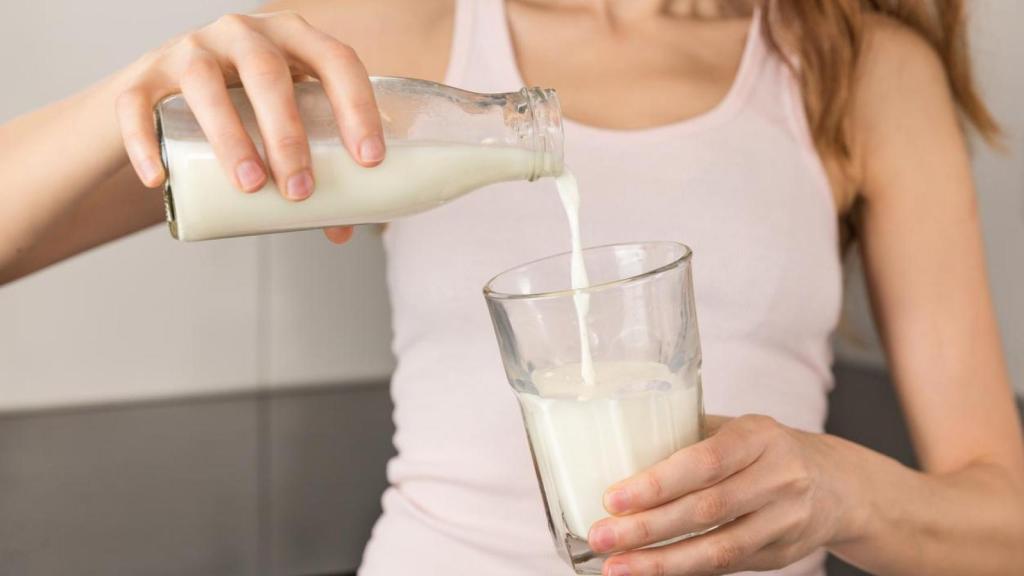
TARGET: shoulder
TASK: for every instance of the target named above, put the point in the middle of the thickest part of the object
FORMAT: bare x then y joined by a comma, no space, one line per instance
894,56
394,37
901,98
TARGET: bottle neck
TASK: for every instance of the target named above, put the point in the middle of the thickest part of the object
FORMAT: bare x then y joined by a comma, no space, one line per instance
543,127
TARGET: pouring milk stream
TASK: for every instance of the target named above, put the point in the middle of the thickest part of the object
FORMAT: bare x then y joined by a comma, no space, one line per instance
568,192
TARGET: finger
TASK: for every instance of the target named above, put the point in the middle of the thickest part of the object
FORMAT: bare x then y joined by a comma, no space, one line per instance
722,551
135,117
708,462
339,234
738,495
203,87
266,78
346,84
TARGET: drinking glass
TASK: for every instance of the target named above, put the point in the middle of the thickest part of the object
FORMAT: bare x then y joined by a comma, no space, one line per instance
642,404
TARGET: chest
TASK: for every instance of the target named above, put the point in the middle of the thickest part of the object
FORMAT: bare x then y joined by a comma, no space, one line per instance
627,75
759,220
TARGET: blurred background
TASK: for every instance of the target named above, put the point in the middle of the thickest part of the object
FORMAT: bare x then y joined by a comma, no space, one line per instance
222,408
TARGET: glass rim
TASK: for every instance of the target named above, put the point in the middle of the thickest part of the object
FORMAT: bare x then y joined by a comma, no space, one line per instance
491,294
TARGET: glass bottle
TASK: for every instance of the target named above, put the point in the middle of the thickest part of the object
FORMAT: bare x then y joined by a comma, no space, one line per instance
442,143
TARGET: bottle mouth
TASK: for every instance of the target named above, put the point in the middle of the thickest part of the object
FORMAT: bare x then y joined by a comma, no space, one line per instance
169,212
548,138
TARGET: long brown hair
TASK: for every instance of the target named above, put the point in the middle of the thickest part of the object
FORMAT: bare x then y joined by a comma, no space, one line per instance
828,41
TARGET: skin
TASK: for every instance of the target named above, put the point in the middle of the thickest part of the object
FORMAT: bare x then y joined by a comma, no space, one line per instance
778,493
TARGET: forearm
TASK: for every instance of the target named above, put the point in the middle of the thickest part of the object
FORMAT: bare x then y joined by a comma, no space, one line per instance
56,161
907,522
115,208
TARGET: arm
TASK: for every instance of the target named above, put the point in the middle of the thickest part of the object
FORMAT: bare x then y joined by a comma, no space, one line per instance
63,183
66,183
777,493
923,252
66,186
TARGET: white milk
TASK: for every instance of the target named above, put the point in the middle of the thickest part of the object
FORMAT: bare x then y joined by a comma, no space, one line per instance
413,177
568,192
638,414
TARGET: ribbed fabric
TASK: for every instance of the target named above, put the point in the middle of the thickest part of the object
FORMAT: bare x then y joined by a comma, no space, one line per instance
741,184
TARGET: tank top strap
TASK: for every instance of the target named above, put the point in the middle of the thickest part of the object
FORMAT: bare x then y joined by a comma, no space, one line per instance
482,54
773,94
462,36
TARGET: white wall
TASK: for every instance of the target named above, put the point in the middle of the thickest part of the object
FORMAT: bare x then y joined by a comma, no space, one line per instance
1000,177
998,49
149,317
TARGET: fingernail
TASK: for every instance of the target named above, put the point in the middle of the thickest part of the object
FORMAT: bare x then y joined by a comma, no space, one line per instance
618,570
250,175
616,501
602,538
300,186
371,149
339,234
150,171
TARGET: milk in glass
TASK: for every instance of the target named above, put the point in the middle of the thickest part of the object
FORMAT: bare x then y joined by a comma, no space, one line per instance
587,437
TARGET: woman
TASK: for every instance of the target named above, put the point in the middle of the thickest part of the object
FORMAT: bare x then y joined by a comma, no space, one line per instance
748,131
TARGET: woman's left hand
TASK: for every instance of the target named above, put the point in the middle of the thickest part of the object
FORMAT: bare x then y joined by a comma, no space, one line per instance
777,494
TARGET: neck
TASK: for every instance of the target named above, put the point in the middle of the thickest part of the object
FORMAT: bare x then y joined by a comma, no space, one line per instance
626,10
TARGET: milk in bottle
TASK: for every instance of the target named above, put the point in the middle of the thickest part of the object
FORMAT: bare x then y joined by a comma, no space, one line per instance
442,142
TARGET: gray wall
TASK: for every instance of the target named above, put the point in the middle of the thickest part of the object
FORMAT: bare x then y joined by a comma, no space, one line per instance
259,484
148,317
1000,177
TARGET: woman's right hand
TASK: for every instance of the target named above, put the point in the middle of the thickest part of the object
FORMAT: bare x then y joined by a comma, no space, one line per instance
263,53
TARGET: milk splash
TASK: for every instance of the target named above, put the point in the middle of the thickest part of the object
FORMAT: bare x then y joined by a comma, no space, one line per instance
568,191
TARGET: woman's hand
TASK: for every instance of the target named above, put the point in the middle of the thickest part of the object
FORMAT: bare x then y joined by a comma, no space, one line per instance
776,493
263,53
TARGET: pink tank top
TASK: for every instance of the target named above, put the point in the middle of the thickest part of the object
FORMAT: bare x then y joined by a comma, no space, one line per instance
740,184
